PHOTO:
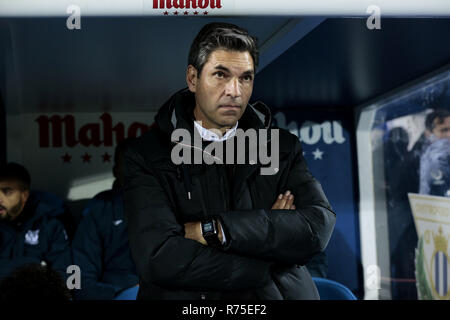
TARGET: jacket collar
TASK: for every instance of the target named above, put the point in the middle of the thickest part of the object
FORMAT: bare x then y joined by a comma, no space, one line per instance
177,113
212,136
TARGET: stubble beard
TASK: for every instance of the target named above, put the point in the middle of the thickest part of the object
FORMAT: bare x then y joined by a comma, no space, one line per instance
12,213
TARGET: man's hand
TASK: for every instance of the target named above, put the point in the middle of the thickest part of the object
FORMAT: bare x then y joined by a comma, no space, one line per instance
284,202
193,231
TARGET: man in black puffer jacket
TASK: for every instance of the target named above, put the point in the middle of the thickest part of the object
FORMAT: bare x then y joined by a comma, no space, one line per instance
222,229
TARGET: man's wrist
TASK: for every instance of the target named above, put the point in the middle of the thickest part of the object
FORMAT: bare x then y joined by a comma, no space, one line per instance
200,238
212,232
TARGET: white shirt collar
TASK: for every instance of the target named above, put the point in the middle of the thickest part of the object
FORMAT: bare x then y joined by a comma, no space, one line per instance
211,136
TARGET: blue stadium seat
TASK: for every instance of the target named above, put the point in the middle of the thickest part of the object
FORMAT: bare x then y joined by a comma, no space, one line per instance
332,290
128,294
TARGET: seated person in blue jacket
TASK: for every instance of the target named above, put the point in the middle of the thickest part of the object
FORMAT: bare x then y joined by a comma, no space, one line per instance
30,226
100,247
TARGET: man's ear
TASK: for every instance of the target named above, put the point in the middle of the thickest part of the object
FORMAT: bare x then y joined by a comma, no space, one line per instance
191,78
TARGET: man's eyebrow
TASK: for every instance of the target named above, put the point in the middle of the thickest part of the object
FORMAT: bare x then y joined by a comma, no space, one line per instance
248,73
223,68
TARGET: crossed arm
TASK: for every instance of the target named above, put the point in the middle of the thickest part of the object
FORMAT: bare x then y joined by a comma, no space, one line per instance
193,230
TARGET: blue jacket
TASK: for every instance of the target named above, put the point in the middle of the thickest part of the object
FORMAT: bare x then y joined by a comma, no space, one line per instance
101,250
37,235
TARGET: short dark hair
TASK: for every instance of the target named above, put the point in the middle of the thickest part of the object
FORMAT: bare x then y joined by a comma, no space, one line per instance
439,114
220,35
15,171
34,282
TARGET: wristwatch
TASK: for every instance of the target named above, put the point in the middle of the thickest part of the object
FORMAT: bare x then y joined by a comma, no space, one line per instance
210,232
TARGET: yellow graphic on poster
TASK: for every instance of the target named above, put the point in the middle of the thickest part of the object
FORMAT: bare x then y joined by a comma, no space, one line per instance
432,220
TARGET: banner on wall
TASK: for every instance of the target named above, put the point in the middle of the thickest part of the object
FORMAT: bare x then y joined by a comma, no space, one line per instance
314,134
432,220
71,155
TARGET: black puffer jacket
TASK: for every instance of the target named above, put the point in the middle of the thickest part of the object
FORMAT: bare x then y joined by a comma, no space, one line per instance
266,249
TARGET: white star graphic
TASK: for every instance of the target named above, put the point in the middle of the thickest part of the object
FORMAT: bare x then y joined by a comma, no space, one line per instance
317,154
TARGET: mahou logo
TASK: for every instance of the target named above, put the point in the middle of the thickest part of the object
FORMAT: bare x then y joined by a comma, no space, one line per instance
310,132
186,7
187,4
57,131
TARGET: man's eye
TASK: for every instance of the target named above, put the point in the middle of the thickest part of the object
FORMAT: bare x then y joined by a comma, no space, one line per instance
220,74
248,78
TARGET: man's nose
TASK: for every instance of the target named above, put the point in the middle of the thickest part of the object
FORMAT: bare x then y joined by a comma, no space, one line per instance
232,88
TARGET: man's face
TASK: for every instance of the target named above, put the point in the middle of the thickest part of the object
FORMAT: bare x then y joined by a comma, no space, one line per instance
12,199
442,130
223,89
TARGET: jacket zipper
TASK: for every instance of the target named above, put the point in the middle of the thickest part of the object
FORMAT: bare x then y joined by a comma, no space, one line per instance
205,211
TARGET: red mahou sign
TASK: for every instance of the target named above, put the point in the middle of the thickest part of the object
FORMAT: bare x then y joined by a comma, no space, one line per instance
90,134
182,4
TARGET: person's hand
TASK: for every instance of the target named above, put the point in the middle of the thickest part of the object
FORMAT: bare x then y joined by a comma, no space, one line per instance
220,232
193,231
284,201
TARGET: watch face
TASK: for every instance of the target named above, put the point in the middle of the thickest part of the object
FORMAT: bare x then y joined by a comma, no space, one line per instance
208,227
